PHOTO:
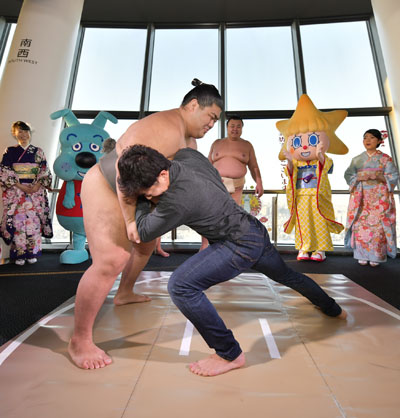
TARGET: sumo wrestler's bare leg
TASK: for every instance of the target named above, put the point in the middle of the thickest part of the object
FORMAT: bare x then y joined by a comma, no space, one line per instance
237,195
139,257
110,250
159,250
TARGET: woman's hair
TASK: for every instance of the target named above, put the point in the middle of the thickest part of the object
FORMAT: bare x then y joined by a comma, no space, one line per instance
205,94
139,166
377,134
20,125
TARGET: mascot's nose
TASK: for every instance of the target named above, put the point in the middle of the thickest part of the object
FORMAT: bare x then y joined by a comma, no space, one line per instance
85,160
305,147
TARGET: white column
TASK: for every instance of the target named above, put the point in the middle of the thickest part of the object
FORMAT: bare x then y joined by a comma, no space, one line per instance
387,18
38,67
37,72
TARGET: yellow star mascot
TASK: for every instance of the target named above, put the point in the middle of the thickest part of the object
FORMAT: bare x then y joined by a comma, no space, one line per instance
309,135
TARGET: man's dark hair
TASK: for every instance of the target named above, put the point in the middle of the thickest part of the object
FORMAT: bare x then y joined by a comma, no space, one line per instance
139,166
234,117
205,94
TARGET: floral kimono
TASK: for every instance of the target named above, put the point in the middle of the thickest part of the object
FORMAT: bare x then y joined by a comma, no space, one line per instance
312,215
26,217
371,216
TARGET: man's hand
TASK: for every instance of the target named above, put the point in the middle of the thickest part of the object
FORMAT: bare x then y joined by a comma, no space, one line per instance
132,232
259,189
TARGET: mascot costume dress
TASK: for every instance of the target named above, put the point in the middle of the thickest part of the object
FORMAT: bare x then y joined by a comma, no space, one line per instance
81,148
309,134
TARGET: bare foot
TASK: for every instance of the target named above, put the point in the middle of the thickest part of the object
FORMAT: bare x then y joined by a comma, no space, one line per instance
215,365
342,315
124,299
87,355
160,251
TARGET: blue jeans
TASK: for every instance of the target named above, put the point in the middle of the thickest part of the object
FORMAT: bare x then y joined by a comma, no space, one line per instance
224,260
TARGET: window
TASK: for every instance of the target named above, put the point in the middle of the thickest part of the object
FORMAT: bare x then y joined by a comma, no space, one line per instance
260,69
339,68
7,48
179,56
351,132
110,70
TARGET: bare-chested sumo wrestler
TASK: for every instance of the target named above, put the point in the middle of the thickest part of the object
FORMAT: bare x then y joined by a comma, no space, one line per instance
110,222
231,156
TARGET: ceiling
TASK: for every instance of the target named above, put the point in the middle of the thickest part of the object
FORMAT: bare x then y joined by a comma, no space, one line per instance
207,11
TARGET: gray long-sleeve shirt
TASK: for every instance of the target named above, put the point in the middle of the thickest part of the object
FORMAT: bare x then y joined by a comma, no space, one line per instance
196,197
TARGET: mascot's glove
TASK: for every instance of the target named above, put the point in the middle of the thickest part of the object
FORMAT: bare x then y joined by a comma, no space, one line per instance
68,203
69,198
288,155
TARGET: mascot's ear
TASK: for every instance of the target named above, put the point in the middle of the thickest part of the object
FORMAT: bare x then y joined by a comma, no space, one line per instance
69,117
102,118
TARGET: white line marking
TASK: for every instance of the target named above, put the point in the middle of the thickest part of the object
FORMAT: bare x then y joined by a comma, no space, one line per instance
273,349
373,305
187,339
18,341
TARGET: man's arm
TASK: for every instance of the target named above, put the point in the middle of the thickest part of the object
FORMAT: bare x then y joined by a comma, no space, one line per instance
152,224
128,212
255,171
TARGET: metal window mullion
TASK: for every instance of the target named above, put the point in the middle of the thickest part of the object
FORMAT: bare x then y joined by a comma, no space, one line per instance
147,70
222,74
298,59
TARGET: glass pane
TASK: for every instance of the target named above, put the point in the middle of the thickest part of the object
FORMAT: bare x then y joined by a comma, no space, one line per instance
351,132
60,234
7,48
264,137
110,69
339,68
179,56
115,130
260,69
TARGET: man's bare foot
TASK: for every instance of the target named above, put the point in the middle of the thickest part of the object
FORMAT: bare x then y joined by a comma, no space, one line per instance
160,251
342,315
124,299
87,355
215,365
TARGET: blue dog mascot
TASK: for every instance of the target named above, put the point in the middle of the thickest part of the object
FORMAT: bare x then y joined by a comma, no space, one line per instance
81,148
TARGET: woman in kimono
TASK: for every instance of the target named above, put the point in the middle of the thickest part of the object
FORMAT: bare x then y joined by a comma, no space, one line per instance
24,178
371,216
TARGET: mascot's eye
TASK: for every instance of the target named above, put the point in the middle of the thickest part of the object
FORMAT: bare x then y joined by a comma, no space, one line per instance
296,142
313,140
94,147
77,146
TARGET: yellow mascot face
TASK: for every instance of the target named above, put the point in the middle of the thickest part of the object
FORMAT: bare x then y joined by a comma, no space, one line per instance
310,131
305,146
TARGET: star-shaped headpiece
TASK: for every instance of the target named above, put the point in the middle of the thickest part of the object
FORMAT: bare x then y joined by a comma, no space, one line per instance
307,118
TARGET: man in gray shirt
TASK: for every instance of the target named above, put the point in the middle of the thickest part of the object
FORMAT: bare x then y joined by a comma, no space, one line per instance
189,191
